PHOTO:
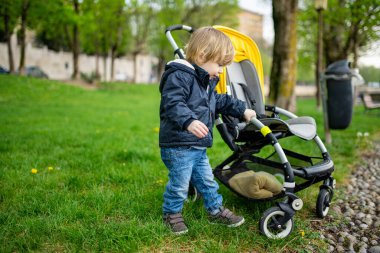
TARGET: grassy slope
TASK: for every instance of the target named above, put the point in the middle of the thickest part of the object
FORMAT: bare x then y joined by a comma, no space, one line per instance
105,191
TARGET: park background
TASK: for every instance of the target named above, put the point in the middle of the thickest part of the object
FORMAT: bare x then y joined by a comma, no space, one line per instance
80,166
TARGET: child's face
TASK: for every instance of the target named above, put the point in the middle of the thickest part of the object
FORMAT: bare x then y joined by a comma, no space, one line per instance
213,69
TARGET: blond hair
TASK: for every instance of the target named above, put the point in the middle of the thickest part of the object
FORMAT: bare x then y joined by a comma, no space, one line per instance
208,44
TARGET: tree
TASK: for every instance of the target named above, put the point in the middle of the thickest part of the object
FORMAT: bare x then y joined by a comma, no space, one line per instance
61,27
193,13
25,4
120,33
142,18
370,73
350,25
170,13
211,12
74,41
283,72
307,43
91,35
105,30
30,14
9,16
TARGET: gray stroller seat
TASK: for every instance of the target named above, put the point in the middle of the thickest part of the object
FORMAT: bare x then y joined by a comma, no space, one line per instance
244,84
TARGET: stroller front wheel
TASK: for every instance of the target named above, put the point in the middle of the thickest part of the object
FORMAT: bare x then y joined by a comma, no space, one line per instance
270,226
323,203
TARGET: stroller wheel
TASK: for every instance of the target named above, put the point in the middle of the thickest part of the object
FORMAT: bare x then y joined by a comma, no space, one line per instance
269,224
323,203
193,194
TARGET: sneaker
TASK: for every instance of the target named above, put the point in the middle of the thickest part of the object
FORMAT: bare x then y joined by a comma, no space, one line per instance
226,217
176,223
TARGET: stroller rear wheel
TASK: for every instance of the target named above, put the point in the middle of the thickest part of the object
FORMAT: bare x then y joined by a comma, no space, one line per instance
193,194
323,203
270,226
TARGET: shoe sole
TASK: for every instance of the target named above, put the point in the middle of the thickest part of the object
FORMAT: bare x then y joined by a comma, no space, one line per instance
180,232
237,224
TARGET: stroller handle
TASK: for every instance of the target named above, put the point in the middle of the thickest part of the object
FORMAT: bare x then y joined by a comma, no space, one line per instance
177,50
254,121
179,27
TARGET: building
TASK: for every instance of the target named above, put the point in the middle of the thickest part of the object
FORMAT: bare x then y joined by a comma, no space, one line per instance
251,24
59,65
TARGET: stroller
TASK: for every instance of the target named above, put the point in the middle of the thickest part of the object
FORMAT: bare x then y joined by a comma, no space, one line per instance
243,79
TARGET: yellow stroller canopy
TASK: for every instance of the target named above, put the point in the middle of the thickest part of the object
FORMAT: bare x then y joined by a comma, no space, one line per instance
245,49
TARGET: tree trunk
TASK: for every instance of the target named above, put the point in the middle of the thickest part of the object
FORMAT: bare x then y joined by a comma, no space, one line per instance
8,35
75,44
319,63
356,57
104,67
355,50
24,16
97,65
283,72
333,41
113,55
160,67
134,67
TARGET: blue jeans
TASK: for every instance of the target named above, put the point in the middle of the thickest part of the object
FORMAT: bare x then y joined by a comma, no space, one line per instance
187,164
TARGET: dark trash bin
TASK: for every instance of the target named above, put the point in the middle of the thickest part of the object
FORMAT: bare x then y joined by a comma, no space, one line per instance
339,94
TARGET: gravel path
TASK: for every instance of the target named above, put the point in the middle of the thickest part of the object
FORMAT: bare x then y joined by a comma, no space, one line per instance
355,226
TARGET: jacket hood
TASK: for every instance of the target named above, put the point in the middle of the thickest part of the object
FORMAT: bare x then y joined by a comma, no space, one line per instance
185,66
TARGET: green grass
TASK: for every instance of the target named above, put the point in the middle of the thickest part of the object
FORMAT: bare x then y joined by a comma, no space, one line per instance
105,190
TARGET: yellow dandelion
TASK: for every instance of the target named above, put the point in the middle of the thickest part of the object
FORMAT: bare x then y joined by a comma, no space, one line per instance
302,233
160,182
34,171
156,129
50,168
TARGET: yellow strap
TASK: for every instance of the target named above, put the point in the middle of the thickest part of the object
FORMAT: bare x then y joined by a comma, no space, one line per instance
265,130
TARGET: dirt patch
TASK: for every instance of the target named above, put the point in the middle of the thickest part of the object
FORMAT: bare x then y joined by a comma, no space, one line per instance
82,84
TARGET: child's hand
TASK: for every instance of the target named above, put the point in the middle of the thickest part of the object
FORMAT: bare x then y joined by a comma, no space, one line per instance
198,129
249,114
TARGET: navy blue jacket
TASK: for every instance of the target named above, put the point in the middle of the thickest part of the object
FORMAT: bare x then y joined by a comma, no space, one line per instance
188,94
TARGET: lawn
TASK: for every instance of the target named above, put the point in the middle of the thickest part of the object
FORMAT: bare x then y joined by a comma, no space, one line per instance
100,180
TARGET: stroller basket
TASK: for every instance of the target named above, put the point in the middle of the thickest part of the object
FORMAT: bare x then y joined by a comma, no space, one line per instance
283,172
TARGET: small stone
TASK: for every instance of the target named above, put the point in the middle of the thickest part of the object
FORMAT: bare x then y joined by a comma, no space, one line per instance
360,215
367,221
331,242
374,249
340,248
337,210
363,250
347,218
352,239
363,226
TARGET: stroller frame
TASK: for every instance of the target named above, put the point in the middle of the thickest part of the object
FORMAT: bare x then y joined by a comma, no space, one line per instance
276,222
